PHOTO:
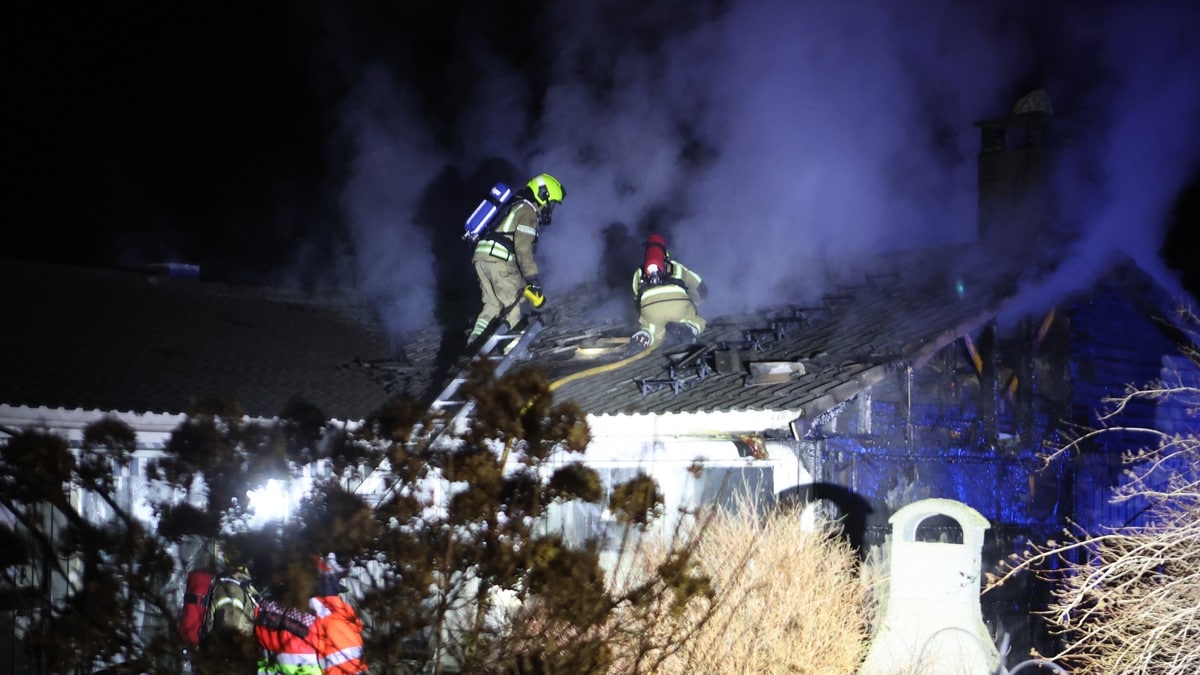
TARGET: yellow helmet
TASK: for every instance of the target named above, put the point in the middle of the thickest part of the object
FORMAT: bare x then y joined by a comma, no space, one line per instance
546,188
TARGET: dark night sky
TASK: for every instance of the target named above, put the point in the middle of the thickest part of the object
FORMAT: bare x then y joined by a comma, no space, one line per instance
334,144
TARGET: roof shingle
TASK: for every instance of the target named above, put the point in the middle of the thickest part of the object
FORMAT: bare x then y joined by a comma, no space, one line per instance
128,342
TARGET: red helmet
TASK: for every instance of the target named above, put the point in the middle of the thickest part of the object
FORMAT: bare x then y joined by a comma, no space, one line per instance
654,264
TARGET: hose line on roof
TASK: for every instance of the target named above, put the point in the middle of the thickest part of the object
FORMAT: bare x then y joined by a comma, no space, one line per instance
604,368
578,376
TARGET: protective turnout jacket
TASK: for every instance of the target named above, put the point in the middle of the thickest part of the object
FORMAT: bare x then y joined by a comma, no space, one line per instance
513,240
339,636
231,605
504,264
672,300
290,639
681,283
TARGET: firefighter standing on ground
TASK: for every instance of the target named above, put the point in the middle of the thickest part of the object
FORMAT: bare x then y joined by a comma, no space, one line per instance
504,258
338,628
325,640
667,293
232,603
288,637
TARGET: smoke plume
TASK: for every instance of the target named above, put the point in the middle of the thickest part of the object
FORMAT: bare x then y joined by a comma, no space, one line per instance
777,144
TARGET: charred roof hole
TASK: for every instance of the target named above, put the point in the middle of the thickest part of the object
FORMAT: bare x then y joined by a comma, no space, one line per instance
939,529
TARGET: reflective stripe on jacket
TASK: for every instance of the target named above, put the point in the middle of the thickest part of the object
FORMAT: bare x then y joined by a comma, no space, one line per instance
231,606
290,638
681,284
515,238
291,664
340,643
493,248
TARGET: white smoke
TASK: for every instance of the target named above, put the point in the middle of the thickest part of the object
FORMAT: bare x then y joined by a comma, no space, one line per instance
776,142
1136,143
821,120
392,156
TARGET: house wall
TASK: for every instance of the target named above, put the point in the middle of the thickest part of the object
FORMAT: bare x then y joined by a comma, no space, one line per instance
134,494
1018,500
690,472
929,436
38,583
968,427
153,431
1116,346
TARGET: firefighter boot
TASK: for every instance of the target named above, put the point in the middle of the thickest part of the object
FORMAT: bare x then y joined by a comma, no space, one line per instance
683,333
637,343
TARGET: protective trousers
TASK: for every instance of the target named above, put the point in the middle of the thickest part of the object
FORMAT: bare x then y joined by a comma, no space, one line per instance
656,314
501,283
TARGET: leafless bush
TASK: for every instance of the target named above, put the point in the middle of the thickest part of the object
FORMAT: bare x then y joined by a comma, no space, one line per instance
785,599
448,544
1127,600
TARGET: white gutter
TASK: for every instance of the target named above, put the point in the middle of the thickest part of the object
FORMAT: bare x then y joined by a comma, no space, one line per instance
724,424
153,429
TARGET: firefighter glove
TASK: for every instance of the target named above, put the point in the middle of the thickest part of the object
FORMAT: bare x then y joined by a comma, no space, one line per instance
533,293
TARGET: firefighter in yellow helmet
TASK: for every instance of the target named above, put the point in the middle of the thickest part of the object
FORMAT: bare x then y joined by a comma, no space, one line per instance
667,293
504,259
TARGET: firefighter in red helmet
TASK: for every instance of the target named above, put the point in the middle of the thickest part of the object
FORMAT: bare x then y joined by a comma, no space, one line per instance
667,293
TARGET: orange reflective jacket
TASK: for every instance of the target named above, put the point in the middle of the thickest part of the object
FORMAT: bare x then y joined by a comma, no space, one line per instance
339,643
290,639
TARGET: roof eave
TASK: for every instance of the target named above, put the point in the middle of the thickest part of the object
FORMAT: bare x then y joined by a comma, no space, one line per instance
701,424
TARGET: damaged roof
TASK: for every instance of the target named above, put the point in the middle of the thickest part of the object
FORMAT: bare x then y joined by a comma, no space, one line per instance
788,362
95,339
129,342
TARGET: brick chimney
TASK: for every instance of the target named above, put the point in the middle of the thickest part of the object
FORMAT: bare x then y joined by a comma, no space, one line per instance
1013,170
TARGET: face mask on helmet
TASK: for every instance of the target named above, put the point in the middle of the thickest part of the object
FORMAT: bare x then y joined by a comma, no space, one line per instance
545,214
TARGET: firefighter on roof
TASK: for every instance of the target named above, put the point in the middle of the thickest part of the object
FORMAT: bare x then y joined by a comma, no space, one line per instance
504,256
667,293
